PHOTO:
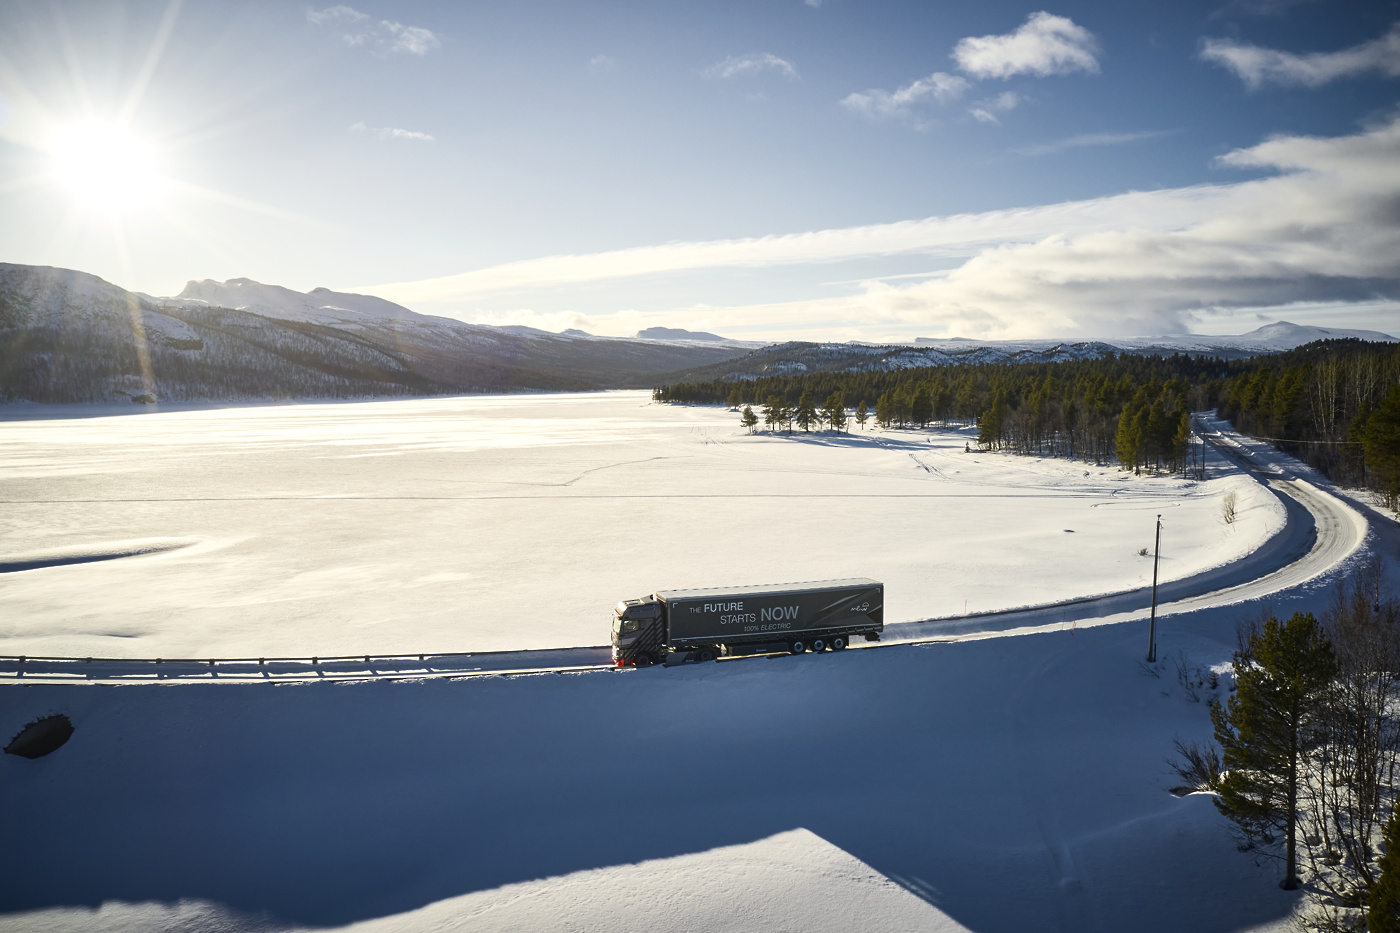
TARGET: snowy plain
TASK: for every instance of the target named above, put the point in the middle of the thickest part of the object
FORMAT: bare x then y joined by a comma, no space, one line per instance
511,522
996,784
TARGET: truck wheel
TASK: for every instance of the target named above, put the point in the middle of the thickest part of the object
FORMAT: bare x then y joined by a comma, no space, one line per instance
707,654
798,647
838,643
644,660
818,645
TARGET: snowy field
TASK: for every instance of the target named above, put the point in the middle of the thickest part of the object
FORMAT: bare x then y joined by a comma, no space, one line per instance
1004,784
491,523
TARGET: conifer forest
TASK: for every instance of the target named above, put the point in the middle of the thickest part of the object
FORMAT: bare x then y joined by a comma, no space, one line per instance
1333,404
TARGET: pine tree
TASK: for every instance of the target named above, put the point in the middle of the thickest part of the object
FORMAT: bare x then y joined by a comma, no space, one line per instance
884,409
1381,439
806,412
1129,440
736,397
921,408
772,412
1266,729
862,414
1383,904
749,419
835,412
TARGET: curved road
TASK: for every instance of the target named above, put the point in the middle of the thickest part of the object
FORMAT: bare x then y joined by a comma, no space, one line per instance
1319,533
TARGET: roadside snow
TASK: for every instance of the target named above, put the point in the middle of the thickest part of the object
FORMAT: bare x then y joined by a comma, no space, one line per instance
494,523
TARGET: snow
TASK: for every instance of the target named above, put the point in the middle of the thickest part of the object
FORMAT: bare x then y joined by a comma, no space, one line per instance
320,305
496,523
1010,784
1270,338
997,784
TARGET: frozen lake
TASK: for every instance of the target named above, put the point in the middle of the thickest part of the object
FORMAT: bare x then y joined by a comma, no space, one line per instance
481,523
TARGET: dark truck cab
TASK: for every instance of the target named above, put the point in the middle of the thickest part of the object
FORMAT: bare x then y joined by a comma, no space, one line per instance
672,626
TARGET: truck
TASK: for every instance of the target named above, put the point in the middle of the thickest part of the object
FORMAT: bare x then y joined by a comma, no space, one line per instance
678,626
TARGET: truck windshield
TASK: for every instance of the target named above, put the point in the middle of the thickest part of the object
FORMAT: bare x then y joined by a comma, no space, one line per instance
628,626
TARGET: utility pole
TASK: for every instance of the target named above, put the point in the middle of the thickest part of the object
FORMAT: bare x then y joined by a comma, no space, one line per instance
1152,625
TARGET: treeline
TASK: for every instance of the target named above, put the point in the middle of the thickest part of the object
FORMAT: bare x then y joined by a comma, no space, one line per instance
1334,404
1071,409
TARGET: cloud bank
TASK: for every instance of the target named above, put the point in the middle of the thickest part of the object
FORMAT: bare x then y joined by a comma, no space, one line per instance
1257,66
1325,228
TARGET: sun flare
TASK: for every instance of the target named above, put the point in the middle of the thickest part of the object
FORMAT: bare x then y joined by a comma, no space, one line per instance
104,166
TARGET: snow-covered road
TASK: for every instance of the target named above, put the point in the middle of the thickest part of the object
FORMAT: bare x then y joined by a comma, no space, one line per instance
1320,532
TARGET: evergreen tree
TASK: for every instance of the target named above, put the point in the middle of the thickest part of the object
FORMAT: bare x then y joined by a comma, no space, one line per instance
749,419
772,412
884,409
1128,441
806,411
1181,438
835,412
921,408
736,397
1383,905
1266,728
862,414
1381,439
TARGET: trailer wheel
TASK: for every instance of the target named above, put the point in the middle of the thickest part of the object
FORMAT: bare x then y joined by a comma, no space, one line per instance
838,643
798,647
707,654
818,645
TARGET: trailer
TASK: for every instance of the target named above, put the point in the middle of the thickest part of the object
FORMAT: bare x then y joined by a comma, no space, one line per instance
675,626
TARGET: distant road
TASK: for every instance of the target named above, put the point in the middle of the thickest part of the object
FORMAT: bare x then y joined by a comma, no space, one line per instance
1320,532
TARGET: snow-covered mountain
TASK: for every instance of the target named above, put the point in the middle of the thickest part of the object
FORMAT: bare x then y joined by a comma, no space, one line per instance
1271,338
68,336
320,305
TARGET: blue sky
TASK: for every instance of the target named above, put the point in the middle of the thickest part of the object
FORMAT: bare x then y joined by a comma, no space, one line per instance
768,169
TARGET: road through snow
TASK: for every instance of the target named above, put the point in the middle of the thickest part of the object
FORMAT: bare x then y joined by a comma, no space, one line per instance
1321,531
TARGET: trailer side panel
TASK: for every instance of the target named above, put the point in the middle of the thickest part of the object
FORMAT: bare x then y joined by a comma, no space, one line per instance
769,614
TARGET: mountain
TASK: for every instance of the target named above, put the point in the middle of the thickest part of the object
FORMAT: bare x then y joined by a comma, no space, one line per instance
677,333
320,305
67,336
1271,338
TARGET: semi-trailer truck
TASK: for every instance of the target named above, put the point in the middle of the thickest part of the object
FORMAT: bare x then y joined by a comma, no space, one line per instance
674,626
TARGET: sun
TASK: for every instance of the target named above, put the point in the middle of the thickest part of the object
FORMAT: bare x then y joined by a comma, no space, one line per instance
104,166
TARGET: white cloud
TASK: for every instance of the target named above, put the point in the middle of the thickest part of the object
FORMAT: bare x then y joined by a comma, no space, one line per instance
960,235
1044,45
383,38
391,132
880,104
1088,139
1257,66
415,40
602,63
984,111
751,64
1325,229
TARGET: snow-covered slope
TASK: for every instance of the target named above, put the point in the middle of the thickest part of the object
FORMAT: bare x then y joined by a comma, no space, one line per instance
72,337
1271,338
320,305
